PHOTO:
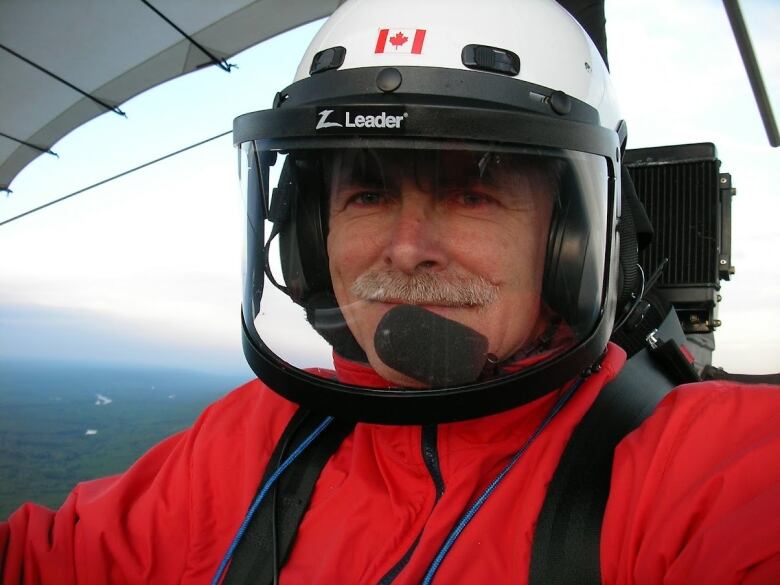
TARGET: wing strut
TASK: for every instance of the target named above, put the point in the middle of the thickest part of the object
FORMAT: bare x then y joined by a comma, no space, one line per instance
751,67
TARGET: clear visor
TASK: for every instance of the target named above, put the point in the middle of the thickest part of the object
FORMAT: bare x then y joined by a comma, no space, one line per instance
422,268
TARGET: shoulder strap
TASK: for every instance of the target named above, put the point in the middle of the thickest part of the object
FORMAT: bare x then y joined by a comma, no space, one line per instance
713,373
566,546
268,539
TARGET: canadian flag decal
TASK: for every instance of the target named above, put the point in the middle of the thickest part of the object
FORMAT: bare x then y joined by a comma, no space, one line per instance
400,40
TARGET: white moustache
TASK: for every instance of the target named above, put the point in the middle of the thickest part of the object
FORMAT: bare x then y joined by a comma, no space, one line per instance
425,288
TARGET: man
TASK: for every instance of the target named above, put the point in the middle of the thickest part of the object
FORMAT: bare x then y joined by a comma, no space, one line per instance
431,281
450,236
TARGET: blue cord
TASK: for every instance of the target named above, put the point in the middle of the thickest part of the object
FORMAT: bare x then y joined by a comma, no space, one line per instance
263,492
475,507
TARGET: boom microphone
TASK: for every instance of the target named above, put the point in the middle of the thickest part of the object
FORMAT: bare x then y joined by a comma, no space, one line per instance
430,348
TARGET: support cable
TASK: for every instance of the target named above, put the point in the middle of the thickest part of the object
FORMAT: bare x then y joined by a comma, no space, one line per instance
104,181
98,101
41,149
222,63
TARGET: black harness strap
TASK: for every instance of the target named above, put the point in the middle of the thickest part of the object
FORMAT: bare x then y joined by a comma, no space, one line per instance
568,532
566,547
256,557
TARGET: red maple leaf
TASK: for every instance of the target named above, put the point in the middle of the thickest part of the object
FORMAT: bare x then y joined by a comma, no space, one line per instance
398,39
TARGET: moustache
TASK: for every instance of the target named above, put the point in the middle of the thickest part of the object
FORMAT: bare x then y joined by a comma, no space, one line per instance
424,289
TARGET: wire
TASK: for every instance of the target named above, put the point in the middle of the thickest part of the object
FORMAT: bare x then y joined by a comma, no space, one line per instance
480,501
108,180
263,492
636,301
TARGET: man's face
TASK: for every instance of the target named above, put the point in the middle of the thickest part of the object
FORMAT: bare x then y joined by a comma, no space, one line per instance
461,234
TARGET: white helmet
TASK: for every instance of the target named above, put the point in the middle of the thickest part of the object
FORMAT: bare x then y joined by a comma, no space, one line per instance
548,47
443,181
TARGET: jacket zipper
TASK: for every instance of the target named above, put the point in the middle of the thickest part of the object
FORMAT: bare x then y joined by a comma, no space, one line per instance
430,454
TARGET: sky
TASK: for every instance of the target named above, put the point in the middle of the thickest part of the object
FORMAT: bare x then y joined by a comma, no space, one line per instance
147,269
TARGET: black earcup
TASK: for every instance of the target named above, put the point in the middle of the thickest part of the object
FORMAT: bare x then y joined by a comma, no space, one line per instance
572,256
303,234
573,276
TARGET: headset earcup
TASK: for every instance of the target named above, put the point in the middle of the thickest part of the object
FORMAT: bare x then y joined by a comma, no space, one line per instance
302,239
287,227
573,275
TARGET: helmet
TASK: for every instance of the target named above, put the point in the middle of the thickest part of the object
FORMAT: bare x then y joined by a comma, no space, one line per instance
432,207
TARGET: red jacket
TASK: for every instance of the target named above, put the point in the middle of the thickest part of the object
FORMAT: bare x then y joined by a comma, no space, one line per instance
695,497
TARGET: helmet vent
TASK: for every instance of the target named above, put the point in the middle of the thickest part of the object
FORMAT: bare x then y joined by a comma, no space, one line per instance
328,59
490,59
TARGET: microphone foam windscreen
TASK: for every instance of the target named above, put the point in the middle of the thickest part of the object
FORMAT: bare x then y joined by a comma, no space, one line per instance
430,348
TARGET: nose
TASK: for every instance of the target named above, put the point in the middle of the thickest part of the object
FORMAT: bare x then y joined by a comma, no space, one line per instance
416,242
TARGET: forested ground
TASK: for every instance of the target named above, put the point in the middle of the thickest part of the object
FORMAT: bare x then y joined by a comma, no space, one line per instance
46,410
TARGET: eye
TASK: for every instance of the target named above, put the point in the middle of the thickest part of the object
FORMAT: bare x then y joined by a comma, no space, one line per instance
470,199
357,199
367,198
